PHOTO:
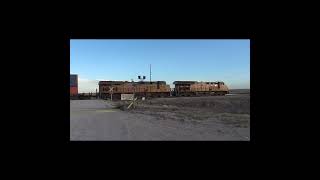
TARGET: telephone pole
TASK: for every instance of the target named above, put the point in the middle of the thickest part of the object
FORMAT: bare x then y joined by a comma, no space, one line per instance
150,73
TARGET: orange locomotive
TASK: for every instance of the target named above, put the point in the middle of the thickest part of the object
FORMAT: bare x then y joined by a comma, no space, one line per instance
139,89
194,88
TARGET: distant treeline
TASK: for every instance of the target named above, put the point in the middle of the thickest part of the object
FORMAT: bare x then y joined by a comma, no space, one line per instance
87,94
239,91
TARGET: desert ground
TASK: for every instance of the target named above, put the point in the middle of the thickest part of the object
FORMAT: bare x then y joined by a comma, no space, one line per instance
212,118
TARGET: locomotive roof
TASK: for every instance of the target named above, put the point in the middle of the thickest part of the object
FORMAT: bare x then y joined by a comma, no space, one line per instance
112,82
129,82
184,82
194,82
153,82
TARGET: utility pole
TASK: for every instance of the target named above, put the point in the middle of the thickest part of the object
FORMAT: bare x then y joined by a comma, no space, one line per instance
150,73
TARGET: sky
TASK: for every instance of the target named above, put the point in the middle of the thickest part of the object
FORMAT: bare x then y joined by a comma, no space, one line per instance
171,60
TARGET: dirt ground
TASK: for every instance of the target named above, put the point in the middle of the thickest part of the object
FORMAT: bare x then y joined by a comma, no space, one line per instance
215,118
233,111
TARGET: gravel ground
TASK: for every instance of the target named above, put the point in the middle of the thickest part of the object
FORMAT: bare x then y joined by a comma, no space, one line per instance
185,118
233,110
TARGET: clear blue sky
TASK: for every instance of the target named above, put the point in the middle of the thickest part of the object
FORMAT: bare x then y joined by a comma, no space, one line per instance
199,60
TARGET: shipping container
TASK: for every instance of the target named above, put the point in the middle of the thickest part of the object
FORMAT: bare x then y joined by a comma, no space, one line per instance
73,80
73,91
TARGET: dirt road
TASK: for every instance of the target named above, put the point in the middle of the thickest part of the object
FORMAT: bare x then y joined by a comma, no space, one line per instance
97,120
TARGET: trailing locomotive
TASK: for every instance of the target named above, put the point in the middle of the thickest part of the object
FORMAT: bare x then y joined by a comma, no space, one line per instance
194,88
139,89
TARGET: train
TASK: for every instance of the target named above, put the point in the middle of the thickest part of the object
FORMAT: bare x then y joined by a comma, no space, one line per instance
73,85
139,89
149,89
194,88
160,89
